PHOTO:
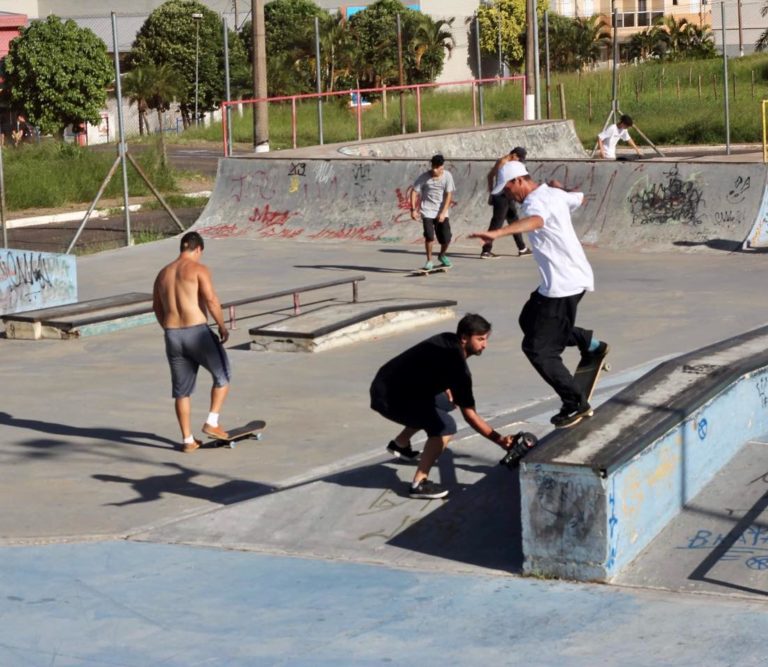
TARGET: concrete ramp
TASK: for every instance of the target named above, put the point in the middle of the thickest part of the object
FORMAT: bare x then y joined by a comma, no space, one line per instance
648,205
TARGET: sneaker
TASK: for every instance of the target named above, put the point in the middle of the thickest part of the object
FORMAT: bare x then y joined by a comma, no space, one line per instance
189,447
445,261
598,353
524,252
566,417
429,266
427,490
215,431
488,255
407,453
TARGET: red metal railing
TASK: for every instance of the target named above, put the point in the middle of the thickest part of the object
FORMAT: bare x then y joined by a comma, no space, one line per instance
358,93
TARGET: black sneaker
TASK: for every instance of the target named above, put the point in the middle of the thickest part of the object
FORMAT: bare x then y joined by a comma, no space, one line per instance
407,453
488,255
427,490
598,353
524,252
569,417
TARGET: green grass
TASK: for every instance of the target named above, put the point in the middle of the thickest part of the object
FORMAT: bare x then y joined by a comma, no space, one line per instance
663,98
51,174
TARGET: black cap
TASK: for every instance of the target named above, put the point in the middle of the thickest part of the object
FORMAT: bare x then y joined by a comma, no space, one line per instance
520,152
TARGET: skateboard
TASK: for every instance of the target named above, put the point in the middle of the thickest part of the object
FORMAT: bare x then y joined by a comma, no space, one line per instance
250,430
588,373
426,272
523,443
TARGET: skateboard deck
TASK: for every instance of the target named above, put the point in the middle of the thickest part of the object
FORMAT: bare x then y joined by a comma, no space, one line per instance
426,272
250,430
587,374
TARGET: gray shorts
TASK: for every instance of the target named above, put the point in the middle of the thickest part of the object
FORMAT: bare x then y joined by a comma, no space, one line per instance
187,349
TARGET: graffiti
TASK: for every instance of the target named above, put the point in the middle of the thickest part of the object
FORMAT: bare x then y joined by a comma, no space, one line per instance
351,232
565,508
729,217
739,190
701,428
699,369
361,174
660,203
750,546
35,280
260,183
268,218
762,390
299,169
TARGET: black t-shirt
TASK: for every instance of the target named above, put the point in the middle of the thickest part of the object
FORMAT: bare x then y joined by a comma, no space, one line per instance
424,371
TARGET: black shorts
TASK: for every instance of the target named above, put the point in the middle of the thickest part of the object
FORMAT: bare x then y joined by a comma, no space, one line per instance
431,417
441,230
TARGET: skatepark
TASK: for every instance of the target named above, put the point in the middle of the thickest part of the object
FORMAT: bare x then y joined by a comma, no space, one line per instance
303,548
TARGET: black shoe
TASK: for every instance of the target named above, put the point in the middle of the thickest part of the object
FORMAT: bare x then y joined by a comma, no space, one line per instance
570,417
427,490
487,255
598,353
524,252
407,453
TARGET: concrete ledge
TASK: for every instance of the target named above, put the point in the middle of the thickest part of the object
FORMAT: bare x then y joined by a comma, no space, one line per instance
340,324
85,318
595,495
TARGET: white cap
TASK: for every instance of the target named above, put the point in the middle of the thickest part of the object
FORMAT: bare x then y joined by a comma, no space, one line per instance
509,171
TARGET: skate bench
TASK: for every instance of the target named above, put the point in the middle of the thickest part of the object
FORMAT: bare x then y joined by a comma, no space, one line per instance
339,324
97,316
594,496
82,318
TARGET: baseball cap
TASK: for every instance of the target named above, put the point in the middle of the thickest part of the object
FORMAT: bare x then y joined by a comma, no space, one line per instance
509,171
520,152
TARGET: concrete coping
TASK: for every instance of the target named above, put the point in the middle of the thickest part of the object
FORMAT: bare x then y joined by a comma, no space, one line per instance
640,414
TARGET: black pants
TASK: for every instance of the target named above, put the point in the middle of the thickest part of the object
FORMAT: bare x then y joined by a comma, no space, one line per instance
503,209
549,326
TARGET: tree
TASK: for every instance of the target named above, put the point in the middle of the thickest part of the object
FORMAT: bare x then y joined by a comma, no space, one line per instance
58,74
137,87
576,43
169,37
428,42
511,15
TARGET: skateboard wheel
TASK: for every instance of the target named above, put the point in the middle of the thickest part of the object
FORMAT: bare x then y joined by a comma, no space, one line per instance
231,444
257,436
606,366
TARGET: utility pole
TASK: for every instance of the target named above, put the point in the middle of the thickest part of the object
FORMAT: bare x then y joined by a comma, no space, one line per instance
261,112
530,59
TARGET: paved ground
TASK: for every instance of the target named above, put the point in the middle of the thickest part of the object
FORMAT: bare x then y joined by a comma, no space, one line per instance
302,549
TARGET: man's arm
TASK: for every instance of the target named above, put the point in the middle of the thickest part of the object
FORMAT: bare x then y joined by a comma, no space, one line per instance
601,146
485,429
631,142
446,207
495,170
414,212
529,224
157,303
212,304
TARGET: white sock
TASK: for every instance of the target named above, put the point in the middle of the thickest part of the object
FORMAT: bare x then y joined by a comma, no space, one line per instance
189,440
213,419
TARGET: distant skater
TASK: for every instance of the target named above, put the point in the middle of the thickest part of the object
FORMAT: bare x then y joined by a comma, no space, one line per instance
548,319
611,135
182,298
435,190
418,388
503,208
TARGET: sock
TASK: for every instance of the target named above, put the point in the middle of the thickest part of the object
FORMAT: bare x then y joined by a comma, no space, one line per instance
189,440
213,419
594,344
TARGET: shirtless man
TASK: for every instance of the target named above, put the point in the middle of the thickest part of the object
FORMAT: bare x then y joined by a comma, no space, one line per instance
182,298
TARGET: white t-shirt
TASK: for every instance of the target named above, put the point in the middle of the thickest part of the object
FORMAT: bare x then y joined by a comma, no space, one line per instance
611,136
432,191
563,266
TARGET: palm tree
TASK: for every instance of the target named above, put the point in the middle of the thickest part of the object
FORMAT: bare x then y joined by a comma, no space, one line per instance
591,37
137,86
645,44
428,36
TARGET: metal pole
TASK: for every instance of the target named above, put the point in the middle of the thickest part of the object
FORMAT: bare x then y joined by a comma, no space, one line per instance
536,65
501,64
319,82
197,65
261,112
530,77
615,81
2,199
228,92
725,85
479,69
121,131
546,60
741,33
402,76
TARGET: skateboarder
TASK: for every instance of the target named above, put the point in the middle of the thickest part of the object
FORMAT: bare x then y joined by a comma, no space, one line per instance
614,133
418,389
548,319
503,208
435,190
182,299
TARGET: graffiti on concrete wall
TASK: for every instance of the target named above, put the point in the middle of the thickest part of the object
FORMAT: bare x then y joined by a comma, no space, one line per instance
671,201
32,280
